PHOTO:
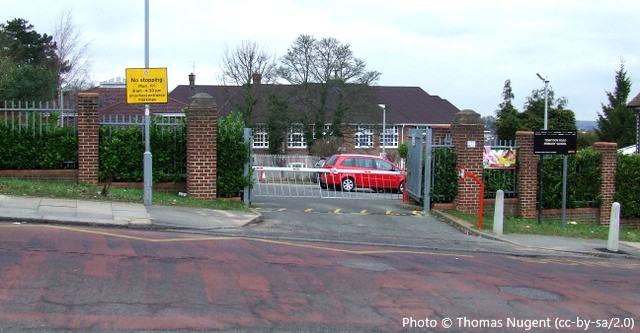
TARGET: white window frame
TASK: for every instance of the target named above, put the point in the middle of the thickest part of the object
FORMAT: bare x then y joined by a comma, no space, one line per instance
260,137
295,137
391,137
363,136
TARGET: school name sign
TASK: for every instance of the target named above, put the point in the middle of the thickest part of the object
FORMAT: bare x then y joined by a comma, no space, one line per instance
147,85
561,142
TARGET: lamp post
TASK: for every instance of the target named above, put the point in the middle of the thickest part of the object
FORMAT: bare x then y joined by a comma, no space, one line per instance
384,130
546,101
147,159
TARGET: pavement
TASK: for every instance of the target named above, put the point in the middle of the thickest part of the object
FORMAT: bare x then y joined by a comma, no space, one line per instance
20,210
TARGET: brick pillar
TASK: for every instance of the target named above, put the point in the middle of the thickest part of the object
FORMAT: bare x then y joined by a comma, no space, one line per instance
527,175
202,130
608,163
467,133
88,138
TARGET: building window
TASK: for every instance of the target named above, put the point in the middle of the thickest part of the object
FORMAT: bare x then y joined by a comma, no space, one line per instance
390,137
296,137
260,137
364,136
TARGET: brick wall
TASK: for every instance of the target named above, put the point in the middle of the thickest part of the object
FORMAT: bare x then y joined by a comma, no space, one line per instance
58,176
202,130
88,138
467,133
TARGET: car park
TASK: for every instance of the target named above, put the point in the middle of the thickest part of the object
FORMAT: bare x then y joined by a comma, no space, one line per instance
350,171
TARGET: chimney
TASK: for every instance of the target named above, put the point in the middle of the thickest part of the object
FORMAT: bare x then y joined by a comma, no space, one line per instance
257,78
192,80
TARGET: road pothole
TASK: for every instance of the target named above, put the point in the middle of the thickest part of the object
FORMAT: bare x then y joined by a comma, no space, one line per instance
532,293
366,265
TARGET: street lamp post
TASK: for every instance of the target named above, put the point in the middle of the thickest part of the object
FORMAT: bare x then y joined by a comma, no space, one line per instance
384,130
546,101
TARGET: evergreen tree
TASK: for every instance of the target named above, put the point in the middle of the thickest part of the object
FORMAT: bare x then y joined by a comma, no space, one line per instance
617,123
507,122
29,62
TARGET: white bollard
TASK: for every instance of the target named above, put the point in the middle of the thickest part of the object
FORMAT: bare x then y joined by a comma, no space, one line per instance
498,213
614,228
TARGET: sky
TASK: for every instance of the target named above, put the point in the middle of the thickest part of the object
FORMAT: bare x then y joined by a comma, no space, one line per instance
460,50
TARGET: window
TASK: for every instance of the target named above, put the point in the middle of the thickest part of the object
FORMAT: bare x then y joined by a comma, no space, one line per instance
260,137
383,165
296,137
364,137
364,163
390,137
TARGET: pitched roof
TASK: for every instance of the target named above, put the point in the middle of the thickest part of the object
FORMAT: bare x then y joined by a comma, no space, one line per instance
404,105
635,102
114,100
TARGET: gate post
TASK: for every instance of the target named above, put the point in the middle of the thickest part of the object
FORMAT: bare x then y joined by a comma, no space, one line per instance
202,131
467,133
88,138
527,175
608,164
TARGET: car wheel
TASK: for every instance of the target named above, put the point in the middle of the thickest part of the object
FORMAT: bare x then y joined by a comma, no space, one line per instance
323,185
348,184
401,188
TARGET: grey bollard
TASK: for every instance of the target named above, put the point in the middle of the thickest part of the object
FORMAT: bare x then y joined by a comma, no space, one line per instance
498,213
614,228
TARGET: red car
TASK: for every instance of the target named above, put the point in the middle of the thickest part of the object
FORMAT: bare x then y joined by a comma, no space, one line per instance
348,171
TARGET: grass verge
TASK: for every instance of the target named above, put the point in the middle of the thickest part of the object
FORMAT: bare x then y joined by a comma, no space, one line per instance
517,225
18,187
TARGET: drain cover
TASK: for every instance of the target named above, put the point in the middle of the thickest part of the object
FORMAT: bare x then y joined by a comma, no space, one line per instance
532,293
366,265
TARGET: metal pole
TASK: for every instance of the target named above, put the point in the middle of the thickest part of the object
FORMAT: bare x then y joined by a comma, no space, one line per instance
426,198
565,160
147,158
546,126
246,194
384,121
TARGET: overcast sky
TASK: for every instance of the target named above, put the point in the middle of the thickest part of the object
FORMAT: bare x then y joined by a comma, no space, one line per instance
462,51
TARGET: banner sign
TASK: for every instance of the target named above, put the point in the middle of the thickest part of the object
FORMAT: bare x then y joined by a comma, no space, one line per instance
555,142
499,158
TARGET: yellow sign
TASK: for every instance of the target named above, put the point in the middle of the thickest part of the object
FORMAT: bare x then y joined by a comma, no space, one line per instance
147,86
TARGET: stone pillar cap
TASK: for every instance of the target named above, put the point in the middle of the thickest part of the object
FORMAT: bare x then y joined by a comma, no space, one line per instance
202,100
467,117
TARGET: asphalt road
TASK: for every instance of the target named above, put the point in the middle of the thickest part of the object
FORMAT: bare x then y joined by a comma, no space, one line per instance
90,279
376,220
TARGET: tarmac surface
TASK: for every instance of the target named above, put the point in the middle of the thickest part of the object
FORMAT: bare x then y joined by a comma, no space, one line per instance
116,214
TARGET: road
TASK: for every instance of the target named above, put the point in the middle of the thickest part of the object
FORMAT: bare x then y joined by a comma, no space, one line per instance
92,279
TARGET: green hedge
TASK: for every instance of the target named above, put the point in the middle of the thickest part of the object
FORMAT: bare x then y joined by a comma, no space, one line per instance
46,147
583,180
628,185
122,149
233,153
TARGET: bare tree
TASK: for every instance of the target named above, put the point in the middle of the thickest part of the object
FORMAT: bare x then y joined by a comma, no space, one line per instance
310,60
73,65
323,68
248,58
297,63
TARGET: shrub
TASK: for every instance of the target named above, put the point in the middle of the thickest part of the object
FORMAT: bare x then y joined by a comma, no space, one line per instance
628,185
233,153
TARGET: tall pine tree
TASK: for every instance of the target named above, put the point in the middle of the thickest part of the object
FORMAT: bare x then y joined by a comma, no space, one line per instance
617,123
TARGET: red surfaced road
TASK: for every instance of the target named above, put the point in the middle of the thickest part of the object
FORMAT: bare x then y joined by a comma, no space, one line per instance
83,279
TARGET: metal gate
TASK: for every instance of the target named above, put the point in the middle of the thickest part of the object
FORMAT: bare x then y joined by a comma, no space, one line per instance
419,166
300,177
